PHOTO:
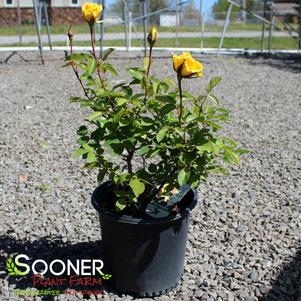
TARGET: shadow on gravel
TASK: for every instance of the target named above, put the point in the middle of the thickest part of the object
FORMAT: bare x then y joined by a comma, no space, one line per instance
47,249
287,285
285,62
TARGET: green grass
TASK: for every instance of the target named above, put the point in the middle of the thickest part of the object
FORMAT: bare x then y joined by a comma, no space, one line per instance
83,28
247,43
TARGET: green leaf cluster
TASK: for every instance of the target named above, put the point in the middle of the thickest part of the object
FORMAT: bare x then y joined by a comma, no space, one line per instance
138,121
11,268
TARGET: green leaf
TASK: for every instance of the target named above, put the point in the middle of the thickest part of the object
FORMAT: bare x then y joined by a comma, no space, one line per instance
214,125
242,151
110,68
98,134
78,56
214,99
115,146
207,147
165,98
94,115
121,101
161,134
155,84
91,157
137,186
91,66
87,147
231,156
219,169
107,53
154,153
213,82
78,152
183,177
118,115
167,108
101,174
82,131
169,82
190,118
179,131
82,140
147,121
120,204
137,74
229,141
163,87
143,150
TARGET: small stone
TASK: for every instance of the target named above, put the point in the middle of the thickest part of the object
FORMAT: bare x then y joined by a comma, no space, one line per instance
253,276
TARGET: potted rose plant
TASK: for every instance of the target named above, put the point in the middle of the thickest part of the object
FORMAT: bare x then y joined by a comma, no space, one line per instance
154,143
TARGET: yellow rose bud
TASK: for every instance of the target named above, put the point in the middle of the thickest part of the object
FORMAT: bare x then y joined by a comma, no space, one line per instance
70,33
91,12
186,66
152,36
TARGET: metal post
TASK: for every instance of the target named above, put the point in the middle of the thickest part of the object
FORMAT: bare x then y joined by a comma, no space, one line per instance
19,23
271,27
299,25
130,29
201,13
243,11
202,31
201,23
148,8
145,25
102,28
177,24
263,26
224,29
47,24
40,15
38,30
125,28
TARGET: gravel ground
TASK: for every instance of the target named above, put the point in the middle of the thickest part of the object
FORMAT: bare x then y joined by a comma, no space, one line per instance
244,241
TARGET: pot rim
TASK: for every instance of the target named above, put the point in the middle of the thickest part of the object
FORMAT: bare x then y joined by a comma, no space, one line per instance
127,219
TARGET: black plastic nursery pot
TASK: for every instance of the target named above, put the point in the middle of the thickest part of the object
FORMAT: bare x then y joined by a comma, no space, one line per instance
144,256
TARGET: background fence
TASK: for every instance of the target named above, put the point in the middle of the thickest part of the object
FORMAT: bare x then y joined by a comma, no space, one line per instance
246,24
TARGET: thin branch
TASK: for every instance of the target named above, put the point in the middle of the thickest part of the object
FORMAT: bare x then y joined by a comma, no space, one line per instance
129,158
76,72
94,54
149,61
92,36
181,100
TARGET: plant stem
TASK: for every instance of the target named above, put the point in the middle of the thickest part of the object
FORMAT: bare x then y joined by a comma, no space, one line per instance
181,100
147,72
97,62
76,72
129,158
94,53
149,61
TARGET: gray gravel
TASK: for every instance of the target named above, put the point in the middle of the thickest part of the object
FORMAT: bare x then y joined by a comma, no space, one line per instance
244,241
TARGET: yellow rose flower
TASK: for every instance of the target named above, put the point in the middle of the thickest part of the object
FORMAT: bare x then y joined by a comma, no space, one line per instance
91,12
186,66
152,36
